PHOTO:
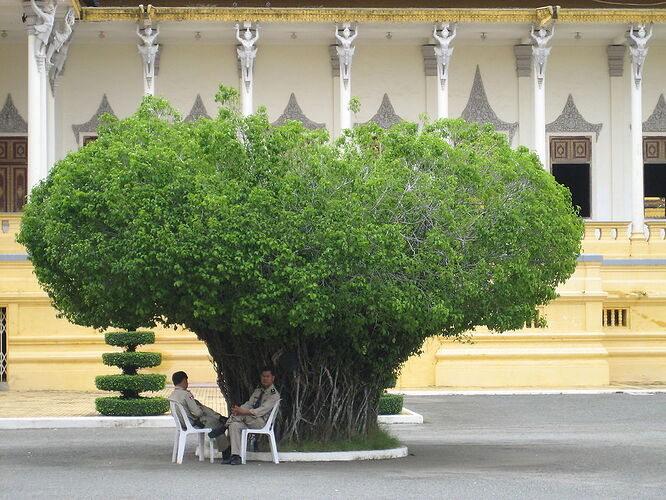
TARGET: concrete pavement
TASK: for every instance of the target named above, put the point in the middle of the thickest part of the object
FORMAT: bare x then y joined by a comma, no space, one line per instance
567,446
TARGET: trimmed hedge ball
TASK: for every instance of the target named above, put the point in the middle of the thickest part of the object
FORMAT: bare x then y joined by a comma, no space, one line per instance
137,383
132,406
390,404
129,339
132,359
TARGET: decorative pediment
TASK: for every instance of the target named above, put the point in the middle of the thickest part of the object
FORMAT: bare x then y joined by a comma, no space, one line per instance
92,125
478,109
570,120
385,116
10,119
657,120
198,110
294,112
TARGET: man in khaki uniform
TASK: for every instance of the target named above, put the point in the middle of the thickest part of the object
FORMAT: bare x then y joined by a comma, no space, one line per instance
252,414
200,415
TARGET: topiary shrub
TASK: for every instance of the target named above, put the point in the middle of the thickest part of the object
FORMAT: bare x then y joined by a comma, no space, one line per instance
129,383
390,404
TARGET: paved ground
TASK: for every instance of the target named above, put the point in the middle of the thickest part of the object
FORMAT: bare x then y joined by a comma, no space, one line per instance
569,446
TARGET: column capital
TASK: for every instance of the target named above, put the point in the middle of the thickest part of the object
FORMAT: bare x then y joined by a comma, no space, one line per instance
56,55
638,38
149,50
616,59
540,51
443,51
39,19
345,49
523,53
247,50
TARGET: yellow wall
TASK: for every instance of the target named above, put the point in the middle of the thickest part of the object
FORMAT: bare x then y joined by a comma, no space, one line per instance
574,350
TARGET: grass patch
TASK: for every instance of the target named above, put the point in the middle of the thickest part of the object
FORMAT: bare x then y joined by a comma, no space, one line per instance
377,439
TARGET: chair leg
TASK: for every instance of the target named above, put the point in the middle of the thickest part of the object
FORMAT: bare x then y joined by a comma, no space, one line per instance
212,451
181,447
175,446
202,447
243,446
274,451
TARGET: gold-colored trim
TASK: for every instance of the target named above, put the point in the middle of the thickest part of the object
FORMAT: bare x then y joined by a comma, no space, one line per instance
370,15
76,5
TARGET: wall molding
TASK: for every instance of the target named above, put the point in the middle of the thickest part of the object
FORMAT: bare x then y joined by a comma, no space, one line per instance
570,120
11,121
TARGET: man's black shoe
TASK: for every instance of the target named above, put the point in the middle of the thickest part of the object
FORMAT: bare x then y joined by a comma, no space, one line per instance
235,460
226,461
218,431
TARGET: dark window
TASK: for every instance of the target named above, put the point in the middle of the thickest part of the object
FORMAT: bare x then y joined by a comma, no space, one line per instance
576,177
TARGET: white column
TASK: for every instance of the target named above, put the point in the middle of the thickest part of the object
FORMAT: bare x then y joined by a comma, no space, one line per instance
345,51
444,36
35,147
40,18
148,48
540,53
50,129
638,49
247,52
523,54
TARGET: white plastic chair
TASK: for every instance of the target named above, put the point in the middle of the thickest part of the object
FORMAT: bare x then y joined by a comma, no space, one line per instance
182,420
266,429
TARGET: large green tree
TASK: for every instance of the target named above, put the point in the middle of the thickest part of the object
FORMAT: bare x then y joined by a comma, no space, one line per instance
332,260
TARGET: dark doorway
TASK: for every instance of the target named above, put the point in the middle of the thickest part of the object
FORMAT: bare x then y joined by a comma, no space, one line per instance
654,185
575,176
13,173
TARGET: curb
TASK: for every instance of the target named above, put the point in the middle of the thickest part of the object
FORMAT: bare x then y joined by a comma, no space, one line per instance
406,417
323,456
527,392
84,422
162,421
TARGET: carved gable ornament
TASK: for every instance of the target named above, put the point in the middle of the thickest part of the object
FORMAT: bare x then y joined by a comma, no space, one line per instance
570,120
478,109
294,112
10,119
657,120
386,116
92,125
198,111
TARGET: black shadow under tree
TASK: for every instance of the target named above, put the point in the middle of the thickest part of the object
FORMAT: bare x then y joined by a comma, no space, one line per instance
332,260
130,383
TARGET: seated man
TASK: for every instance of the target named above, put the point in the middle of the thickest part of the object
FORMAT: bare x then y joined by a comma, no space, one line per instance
252,414
199,414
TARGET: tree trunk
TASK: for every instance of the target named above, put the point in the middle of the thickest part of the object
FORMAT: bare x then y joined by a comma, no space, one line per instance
323,397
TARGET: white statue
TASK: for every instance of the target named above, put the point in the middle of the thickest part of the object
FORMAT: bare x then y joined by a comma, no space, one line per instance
60,38
148,49
45,27
639,49
248,51
540,52
444,38
345,49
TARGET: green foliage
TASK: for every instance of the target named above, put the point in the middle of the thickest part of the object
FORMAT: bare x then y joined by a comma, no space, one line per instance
129,339
132,359
390,404
129,383
376,439
135,383
274,243
132,406
355,105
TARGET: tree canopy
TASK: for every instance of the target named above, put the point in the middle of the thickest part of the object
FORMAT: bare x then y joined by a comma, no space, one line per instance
333,260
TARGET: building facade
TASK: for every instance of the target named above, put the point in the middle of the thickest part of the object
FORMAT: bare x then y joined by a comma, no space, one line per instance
582,85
